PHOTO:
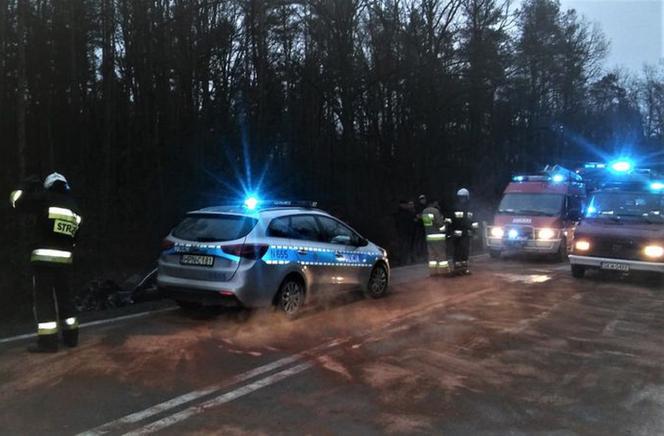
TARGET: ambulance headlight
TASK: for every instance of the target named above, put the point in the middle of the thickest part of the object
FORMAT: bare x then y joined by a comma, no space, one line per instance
546,234
497,232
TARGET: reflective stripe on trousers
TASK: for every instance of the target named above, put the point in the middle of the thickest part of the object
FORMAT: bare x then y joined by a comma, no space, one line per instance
438,264
70,323
51,256
47,328
436,237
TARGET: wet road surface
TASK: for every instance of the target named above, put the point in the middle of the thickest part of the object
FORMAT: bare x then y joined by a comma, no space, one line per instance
517,348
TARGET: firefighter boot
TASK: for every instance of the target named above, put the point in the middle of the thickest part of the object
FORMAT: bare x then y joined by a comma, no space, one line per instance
70,337
45,344
70,332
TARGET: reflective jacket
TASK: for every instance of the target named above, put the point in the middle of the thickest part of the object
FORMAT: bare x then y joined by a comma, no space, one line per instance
434,225
462,221
57,220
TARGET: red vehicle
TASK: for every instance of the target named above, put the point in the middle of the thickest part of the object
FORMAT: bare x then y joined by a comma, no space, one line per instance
623,230
538,214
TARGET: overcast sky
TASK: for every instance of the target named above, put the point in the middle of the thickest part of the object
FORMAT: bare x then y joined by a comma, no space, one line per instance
634,28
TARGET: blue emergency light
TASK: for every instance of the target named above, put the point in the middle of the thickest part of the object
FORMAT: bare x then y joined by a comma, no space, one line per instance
657,186
622,166
251,202
557,178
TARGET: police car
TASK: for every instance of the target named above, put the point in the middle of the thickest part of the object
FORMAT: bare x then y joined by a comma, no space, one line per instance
267,254
623,230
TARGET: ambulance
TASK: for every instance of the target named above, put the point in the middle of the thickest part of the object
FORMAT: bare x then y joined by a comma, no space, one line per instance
538,214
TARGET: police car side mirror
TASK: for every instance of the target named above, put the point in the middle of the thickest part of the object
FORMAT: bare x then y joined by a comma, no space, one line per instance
361,242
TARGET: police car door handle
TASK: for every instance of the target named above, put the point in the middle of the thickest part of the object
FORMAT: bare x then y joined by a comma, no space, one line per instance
302,251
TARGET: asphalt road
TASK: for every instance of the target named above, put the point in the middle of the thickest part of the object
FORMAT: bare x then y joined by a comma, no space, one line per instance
517,348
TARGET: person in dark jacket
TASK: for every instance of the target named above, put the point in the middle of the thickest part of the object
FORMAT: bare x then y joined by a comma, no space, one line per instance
420,246
57,220
461,229
405,224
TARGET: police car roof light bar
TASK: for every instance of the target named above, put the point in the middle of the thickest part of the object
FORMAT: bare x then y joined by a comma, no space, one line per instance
255,204
290,203
621,166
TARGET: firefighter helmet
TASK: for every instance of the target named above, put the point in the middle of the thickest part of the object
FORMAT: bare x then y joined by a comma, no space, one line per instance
463,192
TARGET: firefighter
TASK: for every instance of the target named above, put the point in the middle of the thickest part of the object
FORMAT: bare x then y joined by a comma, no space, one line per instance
461,230
56,225
434,227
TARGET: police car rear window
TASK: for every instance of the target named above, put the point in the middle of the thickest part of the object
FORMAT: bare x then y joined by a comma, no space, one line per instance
214,227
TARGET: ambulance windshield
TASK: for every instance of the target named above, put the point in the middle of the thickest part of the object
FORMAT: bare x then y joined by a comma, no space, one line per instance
531,204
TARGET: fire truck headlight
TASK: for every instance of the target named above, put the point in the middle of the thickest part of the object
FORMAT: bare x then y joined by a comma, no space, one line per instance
654,251
582,245
546,234
657,186
497,232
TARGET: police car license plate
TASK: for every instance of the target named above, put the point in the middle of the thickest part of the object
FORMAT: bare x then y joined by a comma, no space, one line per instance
614,266
196,260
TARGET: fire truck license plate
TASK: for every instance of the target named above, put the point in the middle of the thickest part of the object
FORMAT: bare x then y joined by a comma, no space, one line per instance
196,260
614,266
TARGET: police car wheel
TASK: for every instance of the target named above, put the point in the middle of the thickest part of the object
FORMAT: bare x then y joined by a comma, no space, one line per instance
291,298
578,271
377,286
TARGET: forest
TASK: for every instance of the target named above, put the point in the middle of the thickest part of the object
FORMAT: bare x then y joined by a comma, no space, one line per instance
155,107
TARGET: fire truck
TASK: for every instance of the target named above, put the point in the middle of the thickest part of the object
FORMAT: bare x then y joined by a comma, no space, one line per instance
623,227
537,214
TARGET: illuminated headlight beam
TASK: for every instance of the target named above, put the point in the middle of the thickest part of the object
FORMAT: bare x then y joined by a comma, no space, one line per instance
497,232
582,245
546,234
654,251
